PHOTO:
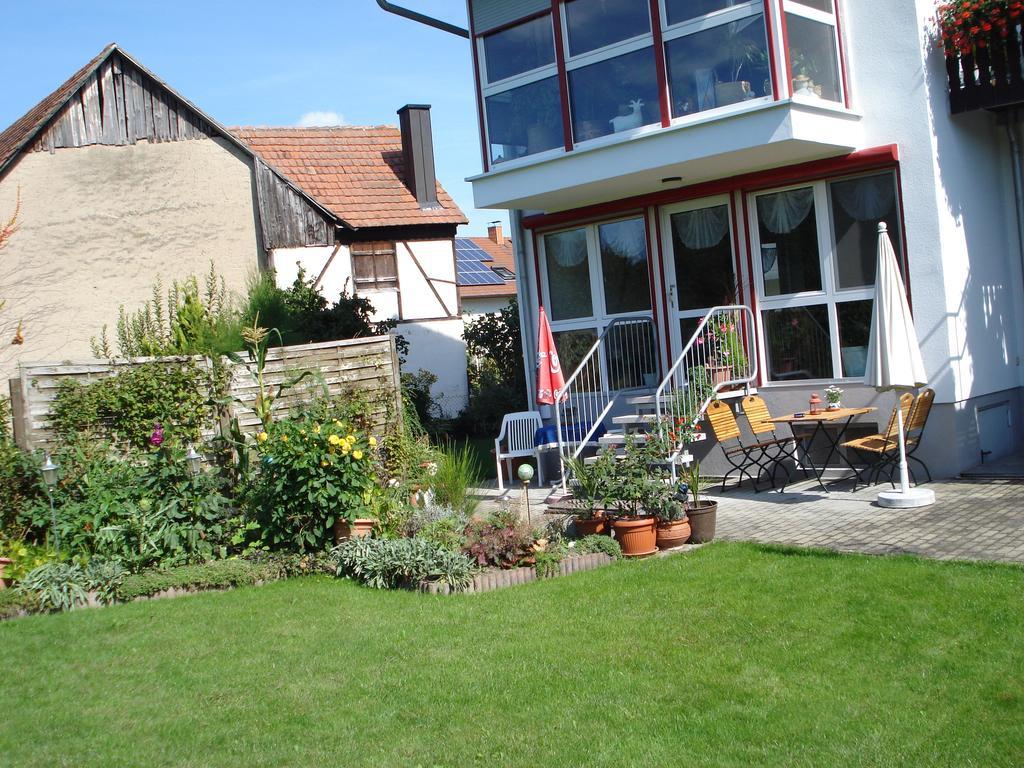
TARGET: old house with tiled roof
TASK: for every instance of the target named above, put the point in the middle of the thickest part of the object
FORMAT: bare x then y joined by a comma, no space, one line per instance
120,179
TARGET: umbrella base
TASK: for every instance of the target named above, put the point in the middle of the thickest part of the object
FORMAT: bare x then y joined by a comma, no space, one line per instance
915,497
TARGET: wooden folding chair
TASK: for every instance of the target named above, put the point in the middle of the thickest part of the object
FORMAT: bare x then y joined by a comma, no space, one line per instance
913,428
740,457
775,448
879,447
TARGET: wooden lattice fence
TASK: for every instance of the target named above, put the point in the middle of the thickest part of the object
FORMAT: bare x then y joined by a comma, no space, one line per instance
367,365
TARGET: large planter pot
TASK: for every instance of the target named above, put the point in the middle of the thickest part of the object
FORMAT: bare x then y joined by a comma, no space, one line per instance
590,526
636,535
703,517
718,374
4,581
359,528
673,534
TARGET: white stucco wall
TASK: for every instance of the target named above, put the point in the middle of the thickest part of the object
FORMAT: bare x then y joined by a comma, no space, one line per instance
99,224
437,260
437,346
483,305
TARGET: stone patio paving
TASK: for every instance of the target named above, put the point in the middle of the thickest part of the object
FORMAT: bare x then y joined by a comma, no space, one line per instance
971,520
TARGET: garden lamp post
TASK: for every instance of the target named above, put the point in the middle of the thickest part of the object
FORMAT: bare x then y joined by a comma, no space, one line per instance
49,470
525,473
193,460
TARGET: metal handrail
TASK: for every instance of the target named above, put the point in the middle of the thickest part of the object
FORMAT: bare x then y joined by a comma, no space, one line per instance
695,356
599,399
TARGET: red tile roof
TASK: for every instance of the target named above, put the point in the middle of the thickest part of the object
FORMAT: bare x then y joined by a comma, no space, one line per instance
503,257
355,172
23,130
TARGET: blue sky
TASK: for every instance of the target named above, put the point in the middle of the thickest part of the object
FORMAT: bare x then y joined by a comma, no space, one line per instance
266,63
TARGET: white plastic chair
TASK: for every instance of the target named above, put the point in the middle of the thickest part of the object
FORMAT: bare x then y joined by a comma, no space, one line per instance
518,429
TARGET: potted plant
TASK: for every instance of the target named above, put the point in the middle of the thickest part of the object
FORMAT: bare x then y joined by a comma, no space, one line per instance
637,494
589,484
703,515
673,525
743,52
728,359
834,397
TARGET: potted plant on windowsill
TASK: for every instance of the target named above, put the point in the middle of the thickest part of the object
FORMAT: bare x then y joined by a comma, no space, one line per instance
703,515
588,486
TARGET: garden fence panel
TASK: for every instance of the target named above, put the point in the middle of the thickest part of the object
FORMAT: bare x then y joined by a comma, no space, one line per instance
367,365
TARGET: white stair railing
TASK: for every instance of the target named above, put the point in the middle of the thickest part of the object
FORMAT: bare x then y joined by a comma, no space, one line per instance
720,355
623,358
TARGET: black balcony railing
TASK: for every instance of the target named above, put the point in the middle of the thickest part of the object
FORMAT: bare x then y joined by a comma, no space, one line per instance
992,77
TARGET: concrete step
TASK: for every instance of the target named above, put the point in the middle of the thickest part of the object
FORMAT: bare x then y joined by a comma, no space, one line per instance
634,420
618,438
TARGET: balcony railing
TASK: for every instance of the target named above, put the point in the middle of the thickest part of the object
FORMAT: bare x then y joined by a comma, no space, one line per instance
990,78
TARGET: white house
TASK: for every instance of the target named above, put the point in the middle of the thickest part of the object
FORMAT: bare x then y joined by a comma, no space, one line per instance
659,157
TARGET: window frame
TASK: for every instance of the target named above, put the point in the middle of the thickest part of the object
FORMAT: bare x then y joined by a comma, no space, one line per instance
599,319
786,7
378,283
830,294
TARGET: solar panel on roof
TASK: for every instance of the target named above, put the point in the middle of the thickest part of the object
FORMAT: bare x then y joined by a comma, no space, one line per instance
469,264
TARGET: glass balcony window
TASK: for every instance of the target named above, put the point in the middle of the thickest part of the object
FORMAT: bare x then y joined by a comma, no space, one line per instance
678,11
726,64
524,120
593,24
522,48
614,95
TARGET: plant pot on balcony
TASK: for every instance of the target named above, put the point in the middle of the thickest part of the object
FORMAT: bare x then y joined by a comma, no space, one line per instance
718,374
636,535
359,528
703,517
590,526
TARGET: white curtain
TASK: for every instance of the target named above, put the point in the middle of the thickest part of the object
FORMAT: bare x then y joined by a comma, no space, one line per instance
867,199
569,249
703,228
783,212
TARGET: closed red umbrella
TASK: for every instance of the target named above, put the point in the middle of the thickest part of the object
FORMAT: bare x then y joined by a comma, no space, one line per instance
550,380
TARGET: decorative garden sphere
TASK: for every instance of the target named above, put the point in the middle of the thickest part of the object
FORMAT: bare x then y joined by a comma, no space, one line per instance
525,472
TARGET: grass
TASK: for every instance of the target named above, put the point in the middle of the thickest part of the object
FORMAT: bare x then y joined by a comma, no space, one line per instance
734,655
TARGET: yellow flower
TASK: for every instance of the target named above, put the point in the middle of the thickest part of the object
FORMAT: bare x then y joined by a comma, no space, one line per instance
316,429
351,438
302,432
334,440
337,423
345,447
324,463
357,455
284,438
373,442
262,437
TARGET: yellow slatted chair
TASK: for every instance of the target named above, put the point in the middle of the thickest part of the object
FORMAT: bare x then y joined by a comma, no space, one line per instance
913,429
741,457
880,447
775,447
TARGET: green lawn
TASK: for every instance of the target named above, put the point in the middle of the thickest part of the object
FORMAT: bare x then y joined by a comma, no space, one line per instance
732,655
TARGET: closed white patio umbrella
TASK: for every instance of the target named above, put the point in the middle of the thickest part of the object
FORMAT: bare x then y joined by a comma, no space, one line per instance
894,359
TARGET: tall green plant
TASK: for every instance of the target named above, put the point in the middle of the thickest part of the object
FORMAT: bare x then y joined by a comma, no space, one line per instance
458,472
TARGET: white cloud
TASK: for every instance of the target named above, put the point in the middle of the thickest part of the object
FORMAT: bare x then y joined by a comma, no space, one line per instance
317,119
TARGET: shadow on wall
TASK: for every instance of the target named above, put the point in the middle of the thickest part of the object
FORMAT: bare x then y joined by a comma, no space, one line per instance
974,166
437,346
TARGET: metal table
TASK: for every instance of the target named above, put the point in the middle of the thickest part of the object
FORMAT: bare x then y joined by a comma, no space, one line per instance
841,418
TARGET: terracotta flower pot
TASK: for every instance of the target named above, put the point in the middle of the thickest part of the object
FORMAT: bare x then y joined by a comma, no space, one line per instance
636,535
590,526
359,528
673,534
4,581
703,518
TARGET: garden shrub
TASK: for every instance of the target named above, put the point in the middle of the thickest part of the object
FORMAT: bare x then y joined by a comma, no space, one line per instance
497,381
597,544
141,510
311,475
125,408
501,540
14,602
458,472
56,586
416,392
402,563
20,487
218,574
24,557
441,525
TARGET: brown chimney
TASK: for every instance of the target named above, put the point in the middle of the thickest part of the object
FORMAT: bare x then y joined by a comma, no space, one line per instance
494,232
418,153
